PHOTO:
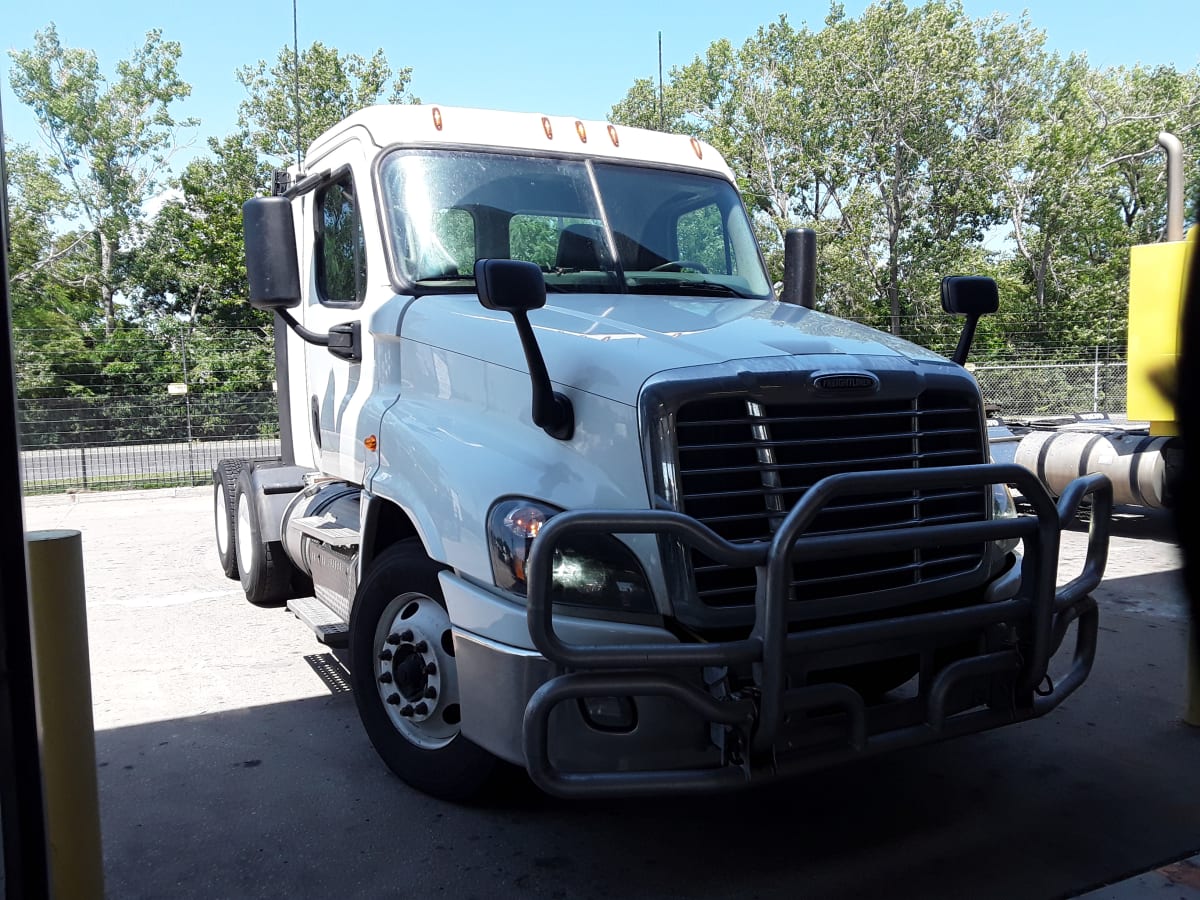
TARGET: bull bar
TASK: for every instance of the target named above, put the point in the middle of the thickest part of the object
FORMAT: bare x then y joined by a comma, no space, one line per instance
756,715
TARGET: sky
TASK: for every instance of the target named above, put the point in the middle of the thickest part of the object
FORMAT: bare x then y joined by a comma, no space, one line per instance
564,58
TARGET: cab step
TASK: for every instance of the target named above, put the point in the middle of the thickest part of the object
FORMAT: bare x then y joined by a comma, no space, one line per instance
325,623
327,530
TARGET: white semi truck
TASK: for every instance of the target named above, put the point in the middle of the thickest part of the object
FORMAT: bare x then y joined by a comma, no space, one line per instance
577,491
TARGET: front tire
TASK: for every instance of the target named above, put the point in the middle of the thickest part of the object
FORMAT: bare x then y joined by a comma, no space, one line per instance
405,679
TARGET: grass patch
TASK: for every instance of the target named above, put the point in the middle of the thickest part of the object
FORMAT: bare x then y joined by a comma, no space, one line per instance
115,483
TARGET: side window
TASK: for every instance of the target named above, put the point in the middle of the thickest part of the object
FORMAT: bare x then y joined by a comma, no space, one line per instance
341,252
700,237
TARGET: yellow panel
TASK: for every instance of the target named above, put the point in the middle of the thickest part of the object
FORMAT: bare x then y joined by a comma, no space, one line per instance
1156,284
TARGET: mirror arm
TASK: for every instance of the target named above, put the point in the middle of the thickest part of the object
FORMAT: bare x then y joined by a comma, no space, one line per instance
321,340
552,411
965,339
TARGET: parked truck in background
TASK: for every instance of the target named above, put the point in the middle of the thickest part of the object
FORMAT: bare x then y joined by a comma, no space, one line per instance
577,491
1142,455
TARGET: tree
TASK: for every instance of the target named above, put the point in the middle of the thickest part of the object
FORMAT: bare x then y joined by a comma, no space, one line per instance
190,270
870,130
111,143
1085,182
191,266
331,85
919,142
49,266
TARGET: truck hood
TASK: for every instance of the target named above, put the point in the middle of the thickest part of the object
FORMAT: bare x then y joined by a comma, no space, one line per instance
610,344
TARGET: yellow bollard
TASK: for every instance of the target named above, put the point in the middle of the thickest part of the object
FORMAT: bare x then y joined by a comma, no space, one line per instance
67,737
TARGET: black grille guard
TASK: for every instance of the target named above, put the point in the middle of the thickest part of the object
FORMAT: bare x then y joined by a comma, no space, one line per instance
641,670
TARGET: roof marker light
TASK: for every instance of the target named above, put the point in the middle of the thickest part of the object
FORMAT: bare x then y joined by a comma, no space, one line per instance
437,118
699,150
548,128
612,134
581,131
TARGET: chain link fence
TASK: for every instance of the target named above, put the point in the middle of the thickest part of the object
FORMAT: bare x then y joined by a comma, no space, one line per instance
160,411
1018,387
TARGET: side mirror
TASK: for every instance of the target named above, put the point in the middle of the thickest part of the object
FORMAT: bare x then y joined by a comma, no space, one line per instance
799,267
971,296
272,268
509,285
516,287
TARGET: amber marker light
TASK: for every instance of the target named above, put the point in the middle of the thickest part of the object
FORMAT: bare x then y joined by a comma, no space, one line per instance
699,150
581,131
612,134
437,118
548,128
371,442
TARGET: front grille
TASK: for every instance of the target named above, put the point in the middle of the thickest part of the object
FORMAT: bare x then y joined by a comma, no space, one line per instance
743,465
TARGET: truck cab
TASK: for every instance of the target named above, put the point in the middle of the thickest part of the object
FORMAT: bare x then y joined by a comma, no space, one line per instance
577,491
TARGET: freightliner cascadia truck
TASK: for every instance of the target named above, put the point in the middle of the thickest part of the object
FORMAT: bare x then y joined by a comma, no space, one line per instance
576,490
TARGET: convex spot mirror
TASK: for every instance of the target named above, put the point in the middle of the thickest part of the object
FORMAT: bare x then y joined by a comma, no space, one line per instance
509,285
272,269
970,295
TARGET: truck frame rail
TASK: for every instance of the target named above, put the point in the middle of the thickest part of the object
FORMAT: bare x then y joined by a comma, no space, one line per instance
751,719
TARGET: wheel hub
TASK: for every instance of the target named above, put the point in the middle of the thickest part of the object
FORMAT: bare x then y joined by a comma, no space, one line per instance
415,670
408,672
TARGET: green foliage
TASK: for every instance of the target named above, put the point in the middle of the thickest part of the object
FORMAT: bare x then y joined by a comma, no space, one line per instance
110,308
919,142
331,86
191,264
110,145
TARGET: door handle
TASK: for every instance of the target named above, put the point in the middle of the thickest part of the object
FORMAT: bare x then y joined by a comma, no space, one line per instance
345,341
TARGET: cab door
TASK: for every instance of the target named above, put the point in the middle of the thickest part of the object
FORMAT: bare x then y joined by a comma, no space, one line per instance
337,303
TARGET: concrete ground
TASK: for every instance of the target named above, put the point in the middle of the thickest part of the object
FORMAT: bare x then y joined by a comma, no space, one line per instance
232,765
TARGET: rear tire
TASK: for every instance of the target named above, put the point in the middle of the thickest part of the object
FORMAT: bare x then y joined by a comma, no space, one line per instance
264,569
401,652
225,477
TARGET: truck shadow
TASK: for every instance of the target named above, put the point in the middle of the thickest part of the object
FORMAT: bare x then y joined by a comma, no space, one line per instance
1137,523
290,800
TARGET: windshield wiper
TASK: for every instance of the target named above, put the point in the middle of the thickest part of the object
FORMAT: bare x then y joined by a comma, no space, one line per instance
683,288
431,283
468,276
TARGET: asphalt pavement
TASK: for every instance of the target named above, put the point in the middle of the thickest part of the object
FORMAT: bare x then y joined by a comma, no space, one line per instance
232,765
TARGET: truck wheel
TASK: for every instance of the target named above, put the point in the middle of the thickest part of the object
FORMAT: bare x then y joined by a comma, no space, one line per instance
263,566
225,477
405,680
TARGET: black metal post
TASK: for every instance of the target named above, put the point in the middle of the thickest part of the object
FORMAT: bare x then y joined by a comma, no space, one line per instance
187,405
22,812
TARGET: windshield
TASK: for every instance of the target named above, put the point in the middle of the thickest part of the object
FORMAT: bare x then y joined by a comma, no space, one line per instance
591,226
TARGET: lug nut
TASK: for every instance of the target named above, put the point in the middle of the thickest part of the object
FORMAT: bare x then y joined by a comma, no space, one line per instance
393,638
385,678
421,709
431,692
406,635
421,646
385,654
393,699
431,669
406,711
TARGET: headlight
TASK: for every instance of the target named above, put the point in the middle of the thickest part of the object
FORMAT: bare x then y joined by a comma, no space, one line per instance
593,570
1003,507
